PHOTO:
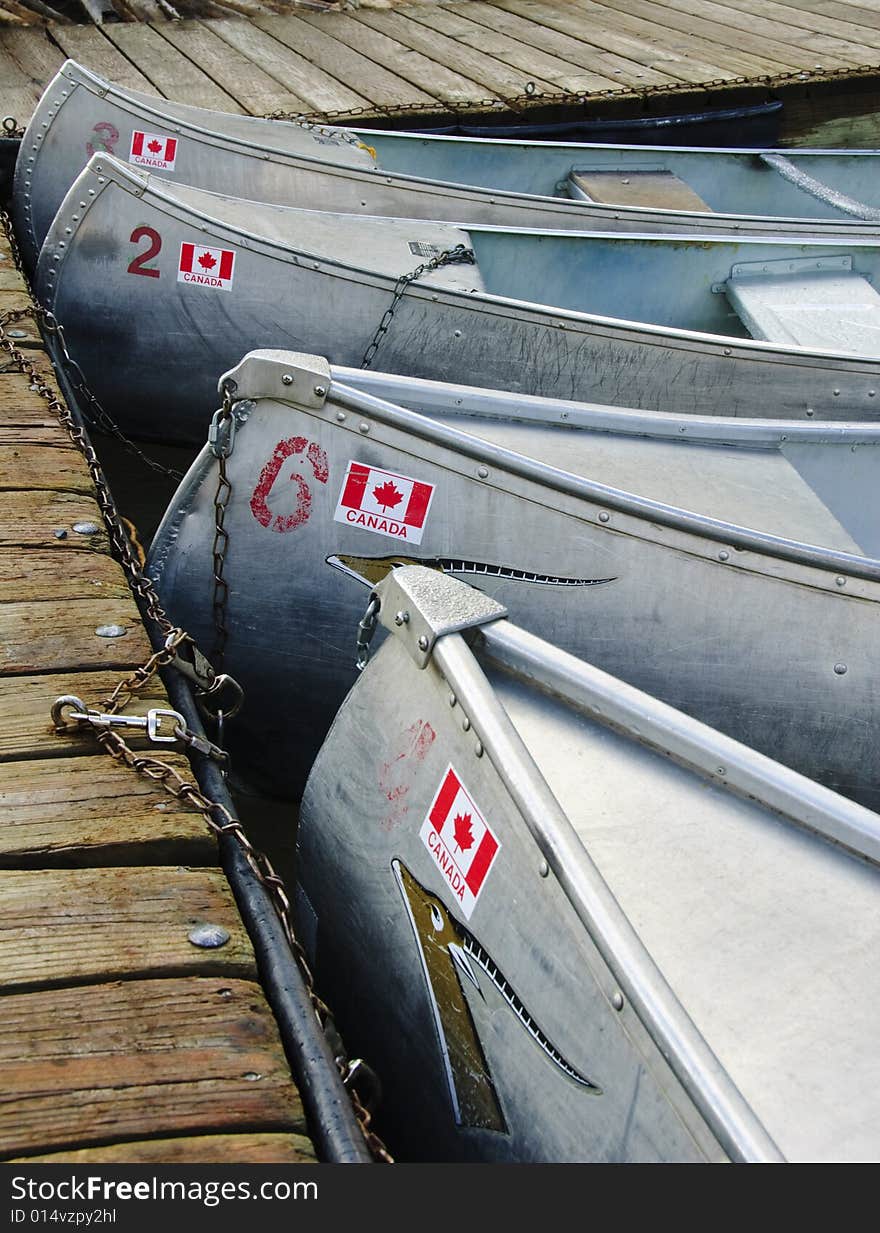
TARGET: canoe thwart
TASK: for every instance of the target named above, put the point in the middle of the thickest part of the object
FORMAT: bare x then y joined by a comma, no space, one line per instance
822,304
661,190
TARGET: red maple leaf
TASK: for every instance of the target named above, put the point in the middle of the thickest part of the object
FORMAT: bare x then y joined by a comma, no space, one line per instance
154,146
206,261
464,836
387,496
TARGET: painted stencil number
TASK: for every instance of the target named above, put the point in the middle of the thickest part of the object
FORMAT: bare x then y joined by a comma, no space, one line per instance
317,460
106,136
138,264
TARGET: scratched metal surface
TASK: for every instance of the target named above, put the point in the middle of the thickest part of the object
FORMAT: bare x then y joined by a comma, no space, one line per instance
763,929
674,605
169,340
467,180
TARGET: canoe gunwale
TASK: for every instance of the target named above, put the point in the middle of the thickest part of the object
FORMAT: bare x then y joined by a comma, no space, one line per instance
697,339
825,559
626,421
716,1097
608,700
160,195
519,144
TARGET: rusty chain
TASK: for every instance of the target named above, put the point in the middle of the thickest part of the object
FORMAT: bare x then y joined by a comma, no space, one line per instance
218,818
220,439
450,256
530,100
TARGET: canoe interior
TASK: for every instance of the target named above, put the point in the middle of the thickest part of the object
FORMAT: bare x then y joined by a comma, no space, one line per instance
675,848
598,569
735,181
667,281
813,483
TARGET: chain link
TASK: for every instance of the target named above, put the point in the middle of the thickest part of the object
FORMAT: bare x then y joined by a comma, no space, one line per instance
221,438
450,256
218,818
302,120
95,414
526,101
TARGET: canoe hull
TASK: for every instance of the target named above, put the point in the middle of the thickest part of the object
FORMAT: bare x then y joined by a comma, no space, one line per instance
465,1076
321,168
151,345
772,648
533,889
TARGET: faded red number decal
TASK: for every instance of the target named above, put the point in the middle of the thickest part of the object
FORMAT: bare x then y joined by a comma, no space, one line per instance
269,474
106,136
137,266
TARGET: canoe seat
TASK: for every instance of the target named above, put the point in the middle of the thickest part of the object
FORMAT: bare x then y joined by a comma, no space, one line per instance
823,304
659,190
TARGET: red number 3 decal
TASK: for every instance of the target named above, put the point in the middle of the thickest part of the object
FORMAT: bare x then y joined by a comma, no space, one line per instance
283,450
106,135
155,247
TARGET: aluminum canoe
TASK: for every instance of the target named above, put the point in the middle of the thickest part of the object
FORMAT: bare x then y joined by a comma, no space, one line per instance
723,574
159,287
465,180
569,923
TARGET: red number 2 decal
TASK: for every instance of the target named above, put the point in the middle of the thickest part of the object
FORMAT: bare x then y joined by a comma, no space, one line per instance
137,266
317,459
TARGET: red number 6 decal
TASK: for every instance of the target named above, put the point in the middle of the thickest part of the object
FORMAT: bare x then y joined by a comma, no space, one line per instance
283,450
137,266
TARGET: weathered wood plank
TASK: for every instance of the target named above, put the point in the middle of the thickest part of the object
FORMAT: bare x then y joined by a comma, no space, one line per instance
20,14
22,407
172,74
278,1149
480,65
775,56
91,926
140,1059
24,334
26,730
435,79
10,279
44,573
835,52
521,36
57,466
823,17
315,89
549,73
38,434
91,47
50,12
16,91
714,22
35,54
863,11
374,83
47,637
676,53
32,518
254,85
93,811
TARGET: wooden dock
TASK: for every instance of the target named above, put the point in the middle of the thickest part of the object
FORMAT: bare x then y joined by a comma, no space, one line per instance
527,58
120,1039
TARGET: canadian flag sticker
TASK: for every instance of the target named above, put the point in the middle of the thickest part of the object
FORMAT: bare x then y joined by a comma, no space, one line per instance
460,841
153,150
209,267
384,502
